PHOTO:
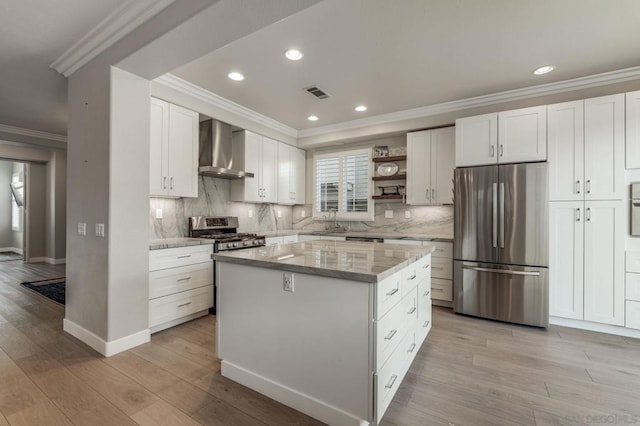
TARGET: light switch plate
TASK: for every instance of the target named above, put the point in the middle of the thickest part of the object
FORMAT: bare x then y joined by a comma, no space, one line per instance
303,214
407,214
158,213
250,214
82,228
388,214
279,213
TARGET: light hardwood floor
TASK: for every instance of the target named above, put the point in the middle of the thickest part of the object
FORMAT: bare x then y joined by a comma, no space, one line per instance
469,372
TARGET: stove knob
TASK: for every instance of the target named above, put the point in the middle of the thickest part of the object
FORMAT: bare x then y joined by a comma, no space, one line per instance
246,243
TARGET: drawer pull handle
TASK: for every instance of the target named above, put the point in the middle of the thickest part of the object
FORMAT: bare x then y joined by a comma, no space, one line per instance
184,279
439,268
184,256
412,310
391,334
440,290
426,293
412,277
392,292
426,324
184,304
426,266
439,249
412,347
391,382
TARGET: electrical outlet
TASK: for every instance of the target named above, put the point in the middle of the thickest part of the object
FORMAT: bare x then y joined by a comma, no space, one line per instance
407,214
82,228
99,229
388,214
303,214
158,213
250,214
279,213
287,281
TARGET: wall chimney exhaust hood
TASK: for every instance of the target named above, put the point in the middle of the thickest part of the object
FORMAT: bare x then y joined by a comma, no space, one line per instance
216,151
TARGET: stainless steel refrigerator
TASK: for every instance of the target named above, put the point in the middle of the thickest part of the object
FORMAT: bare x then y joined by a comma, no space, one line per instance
501,253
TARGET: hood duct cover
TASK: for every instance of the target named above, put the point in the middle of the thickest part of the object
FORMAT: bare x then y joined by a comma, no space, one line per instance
216,151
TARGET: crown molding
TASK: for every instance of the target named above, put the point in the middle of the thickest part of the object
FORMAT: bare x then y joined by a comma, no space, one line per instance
32,133
114,27
204,95
618,76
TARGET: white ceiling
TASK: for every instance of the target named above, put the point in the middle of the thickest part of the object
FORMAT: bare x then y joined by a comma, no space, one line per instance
398,55
33,34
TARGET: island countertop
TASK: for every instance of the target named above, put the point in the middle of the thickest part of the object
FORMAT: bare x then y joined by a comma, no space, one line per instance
355,261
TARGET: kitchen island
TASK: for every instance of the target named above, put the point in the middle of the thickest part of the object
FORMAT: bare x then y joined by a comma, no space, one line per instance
329,328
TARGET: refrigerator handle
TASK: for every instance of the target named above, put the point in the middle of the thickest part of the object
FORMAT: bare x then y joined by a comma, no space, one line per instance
502,214
501,271
495,214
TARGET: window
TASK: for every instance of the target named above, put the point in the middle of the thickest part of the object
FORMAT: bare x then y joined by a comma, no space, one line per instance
343,185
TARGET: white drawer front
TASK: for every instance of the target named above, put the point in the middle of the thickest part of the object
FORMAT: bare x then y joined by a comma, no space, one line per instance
389,293
174,306
633,315
442,268
179,256
441,249
388,380
410,278
390,331
442,289
290,239
633,261
174,280
410,308
308,237
424,304
633,287
403,242
272,241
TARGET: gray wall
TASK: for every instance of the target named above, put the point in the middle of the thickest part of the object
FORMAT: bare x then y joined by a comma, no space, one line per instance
36,211
56,205
6,235
18,240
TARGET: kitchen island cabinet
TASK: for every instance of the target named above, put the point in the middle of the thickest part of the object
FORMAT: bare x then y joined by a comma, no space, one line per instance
329,328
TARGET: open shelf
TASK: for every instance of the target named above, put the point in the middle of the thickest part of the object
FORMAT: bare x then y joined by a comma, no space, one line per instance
394,177
387,197
388,159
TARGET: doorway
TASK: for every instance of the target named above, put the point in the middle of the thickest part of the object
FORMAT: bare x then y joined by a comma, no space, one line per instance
12,210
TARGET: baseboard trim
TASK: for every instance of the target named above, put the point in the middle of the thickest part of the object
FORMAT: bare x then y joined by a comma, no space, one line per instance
103,347
290,397
36,259
53,261
17,250
593,326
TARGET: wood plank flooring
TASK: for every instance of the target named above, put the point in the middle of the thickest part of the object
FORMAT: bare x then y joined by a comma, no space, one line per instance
469,372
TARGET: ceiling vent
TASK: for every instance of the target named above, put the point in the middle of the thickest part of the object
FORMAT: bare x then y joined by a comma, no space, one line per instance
317,92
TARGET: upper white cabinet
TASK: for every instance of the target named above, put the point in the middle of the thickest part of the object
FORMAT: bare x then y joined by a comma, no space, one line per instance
173,150
586,149
430,164
476,140
291,174
258,155
633,130
504,137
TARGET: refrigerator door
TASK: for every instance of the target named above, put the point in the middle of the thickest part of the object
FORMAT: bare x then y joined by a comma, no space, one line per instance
476,214
509,293
523,210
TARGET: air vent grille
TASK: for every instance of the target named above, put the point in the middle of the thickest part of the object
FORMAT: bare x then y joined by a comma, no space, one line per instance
317,92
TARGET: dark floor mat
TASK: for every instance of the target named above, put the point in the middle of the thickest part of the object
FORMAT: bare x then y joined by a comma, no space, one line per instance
53,289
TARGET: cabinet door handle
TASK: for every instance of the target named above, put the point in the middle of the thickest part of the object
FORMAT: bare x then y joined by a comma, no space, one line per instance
588,186
427,196
412,277
184,256
164,182
493,151
426,324
412,347
184,279
433,194
412,310
588,214
391,334
392,292
577,186
577,215
391,382
171,183
184,304
426,293
501,150
426,266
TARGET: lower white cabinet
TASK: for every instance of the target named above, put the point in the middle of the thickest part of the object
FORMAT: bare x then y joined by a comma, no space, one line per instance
586,261
285,239
632,292
180,285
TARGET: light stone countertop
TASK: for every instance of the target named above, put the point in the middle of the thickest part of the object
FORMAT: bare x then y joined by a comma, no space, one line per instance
349,260
372,234
177,242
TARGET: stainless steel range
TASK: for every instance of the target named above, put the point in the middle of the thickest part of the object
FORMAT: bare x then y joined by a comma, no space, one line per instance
224,233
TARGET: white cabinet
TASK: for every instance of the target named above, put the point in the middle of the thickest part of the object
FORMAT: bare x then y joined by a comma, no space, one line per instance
633,130
291,174
586,149
504,137
476,140
430,164
173,150
586,261
180,285
258,155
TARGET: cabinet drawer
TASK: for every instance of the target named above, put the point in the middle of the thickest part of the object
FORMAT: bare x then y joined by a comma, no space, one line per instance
390,331
403,242
387,381
388,293
441,249
179,256
424,304
633,261
411,276
290,239
174,306
442,268
633,315
442,289
273,241
173,280
409,306
633,287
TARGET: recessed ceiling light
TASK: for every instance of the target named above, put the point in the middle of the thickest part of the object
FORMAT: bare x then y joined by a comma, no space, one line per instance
235,76
544,70
361,108
312,118
293,54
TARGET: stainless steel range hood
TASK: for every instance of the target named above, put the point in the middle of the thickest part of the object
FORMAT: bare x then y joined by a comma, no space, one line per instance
216,151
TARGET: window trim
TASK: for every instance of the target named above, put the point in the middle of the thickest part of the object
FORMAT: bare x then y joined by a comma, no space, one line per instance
369,215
